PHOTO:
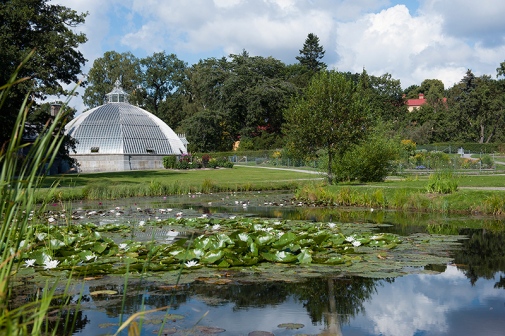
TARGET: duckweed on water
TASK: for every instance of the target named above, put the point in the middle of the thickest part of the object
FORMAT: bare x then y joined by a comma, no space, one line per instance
253,246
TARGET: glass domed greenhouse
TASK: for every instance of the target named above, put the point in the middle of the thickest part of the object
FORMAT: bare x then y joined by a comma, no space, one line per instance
118,136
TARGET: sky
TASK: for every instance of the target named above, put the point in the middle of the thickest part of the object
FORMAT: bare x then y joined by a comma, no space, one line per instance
412,40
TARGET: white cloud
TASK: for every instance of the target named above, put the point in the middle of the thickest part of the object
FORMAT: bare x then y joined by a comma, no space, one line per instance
411,48
440,39
480,21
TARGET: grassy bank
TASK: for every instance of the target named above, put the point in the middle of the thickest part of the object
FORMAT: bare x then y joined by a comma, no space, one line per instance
411,196
116,185
399,193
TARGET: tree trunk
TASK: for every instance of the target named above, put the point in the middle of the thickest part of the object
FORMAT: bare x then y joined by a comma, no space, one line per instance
481,140
330,161
333,322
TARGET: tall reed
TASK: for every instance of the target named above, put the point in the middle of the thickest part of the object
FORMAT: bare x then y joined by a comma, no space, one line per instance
18,182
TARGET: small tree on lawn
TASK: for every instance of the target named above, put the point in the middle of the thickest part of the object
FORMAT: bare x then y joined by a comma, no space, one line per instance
331,114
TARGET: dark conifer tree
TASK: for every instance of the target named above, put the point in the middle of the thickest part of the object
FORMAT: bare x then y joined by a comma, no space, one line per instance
311,54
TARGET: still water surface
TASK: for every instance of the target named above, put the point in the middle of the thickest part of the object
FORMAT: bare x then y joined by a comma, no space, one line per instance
467,297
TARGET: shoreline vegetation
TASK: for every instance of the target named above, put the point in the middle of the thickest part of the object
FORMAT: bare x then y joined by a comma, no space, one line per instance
472,194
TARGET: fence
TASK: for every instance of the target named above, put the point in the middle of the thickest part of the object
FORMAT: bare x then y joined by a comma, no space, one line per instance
273,162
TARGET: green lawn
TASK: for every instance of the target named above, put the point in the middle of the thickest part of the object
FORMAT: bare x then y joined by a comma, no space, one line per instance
169,182
236,175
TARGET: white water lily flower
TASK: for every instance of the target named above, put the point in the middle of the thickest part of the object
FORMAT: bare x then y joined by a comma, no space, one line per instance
191,263
374,237
331,225
41,236
172,233
122,246
350,239
91,256
216,227
50,264
277,222
356,243
29,262
142,223
233,217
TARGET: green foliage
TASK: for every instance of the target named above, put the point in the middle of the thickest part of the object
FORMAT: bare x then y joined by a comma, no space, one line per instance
169,162
494,204
248,93
206,131
18,184
370,161
106,70
442,182
487,161
49,30
331,115
162,77
311,54
383,95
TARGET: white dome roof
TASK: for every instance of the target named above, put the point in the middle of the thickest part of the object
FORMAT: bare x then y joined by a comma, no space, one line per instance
121,128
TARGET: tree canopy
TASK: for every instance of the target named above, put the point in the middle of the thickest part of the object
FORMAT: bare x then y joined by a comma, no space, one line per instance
113,66
27,25
332,115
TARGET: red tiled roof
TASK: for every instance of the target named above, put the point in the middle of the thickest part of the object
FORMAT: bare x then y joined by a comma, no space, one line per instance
416,102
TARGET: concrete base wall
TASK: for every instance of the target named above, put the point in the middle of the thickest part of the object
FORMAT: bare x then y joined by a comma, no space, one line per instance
110,162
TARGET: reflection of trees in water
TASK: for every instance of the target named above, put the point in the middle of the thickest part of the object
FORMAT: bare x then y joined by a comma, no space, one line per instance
482,254
327,300
335,301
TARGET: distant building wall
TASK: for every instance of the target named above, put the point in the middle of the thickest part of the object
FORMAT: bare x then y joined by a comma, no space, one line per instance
110,162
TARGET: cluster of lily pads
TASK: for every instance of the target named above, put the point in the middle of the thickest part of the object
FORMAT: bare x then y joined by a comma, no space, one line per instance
113,248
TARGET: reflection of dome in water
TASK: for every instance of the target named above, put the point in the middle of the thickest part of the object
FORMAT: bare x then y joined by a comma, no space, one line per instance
119,136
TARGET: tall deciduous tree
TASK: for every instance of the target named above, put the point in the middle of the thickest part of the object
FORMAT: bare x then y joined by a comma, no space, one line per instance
50,30
249,91
331,115
163,75
312,53
113,66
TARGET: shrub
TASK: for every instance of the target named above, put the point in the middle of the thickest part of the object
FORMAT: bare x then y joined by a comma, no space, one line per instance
487,161
370,161
205,159
169,162
182,165
442,183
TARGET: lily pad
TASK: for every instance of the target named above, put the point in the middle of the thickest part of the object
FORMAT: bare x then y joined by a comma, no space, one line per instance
210,330
291,326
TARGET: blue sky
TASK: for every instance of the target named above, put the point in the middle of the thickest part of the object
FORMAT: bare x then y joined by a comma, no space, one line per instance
412,40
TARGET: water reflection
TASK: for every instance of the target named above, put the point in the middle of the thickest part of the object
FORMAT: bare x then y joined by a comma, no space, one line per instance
466,298
417,304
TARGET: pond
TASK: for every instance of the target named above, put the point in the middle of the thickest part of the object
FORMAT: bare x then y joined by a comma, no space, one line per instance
465,296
